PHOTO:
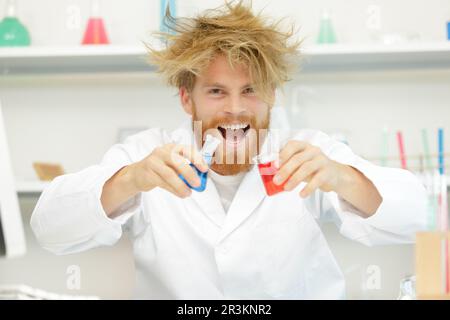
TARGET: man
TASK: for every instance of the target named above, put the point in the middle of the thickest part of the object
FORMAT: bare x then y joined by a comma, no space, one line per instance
232,240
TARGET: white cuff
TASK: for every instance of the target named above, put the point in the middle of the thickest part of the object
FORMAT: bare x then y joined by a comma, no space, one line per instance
120,216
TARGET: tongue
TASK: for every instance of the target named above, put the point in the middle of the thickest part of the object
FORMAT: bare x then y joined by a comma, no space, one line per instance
234,135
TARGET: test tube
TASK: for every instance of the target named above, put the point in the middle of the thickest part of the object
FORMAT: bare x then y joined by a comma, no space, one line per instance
210,146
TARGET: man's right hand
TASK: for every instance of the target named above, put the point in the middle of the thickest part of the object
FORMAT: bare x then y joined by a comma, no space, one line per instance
163,167
159,169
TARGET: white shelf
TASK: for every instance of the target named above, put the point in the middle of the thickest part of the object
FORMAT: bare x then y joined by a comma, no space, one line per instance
110,58
375,57
81,59
31,187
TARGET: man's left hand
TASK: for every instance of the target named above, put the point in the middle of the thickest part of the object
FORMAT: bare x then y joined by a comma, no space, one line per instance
303,162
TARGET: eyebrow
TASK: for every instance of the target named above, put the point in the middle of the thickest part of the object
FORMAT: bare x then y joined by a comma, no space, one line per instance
221,86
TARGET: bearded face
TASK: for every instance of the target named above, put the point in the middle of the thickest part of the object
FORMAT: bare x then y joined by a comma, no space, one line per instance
223,103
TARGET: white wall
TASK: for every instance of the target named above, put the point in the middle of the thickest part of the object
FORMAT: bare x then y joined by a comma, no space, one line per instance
62,21
74,119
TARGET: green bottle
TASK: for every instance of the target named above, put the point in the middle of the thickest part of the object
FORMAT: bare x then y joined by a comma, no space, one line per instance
326,32
12,32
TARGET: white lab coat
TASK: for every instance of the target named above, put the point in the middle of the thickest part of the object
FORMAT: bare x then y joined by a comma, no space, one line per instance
262,248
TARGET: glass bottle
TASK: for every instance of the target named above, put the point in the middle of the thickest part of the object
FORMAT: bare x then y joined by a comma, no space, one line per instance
12,32
407,288
164,24
448,30
95,32
326,31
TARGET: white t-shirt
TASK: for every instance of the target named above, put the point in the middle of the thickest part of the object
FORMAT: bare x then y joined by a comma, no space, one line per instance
226,186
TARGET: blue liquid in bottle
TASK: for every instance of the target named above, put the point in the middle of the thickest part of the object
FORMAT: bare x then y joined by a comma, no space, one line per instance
202,175
448,30
210,146
164,5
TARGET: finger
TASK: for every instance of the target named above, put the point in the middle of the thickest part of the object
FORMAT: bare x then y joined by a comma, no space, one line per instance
317,181
170,177
169,188
290,148
302,173
193,156
162,184
181,165
292,165
156,179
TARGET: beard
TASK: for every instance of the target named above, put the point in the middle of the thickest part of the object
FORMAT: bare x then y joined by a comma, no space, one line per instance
238,146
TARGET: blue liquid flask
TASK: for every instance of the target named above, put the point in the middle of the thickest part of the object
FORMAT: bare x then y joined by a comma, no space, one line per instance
210,146
448,30
202,175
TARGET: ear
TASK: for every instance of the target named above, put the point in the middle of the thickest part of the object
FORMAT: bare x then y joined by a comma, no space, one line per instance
186,100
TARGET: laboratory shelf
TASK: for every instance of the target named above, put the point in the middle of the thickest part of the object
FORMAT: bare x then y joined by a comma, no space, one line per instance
317,58
376,57
80,59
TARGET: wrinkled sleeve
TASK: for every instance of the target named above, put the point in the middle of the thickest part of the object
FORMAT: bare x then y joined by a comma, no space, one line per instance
69,216
403,210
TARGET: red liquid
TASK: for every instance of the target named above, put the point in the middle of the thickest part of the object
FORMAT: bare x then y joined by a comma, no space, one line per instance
267,171
95,32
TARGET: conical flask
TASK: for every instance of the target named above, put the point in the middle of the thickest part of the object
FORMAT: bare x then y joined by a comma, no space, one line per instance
95,32
12,32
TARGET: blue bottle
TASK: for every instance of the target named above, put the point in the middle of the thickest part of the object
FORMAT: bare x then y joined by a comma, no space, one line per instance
448,30
208,150
202,175
162,13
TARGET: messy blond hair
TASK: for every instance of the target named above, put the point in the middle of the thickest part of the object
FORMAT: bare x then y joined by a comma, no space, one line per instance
234,31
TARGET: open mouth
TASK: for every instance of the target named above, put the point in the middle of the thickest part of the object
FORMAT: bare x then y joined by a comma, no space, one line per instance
234,133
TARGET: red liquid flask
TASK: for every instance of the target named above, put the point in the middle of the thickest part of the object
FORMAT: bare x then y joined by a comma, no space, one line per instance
95,32
267,171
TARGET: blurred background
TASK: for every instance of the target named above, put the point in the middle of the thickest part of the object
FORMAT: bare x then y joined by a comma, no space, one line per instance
74,81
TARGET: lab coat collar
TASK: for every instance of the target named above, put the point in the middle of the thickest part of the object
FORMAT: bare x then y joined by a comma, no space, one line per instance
247,198
251,191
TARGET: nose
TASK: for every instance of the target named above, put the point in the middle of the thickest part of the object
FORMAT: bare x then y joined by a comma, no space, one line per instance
234,105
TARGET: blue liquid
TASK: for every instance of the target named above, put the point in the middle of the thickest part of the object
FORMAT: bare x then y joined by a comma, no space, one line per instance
448,30
203,176
163,6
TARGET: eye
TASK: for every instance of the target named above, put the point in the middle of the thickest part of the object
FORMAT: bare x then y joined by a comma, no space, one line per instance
249,90
215,91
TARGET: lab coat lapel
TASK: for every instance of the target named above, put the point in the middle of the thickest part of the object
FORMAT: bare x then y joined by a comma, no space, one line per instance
248,197
209,202
251,192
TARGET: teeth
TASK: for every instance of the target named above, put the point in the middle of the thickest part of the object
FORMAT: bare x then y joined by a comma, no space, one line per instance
234,126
